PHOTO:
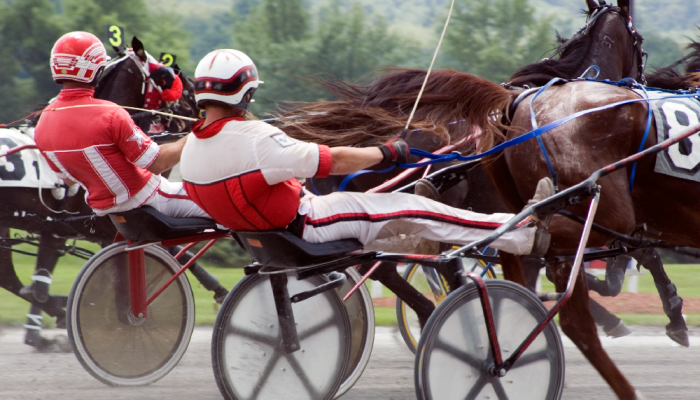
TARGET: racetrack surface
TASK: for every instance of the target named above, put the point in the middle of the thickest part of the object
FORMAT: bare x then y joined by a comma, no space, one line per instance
655,365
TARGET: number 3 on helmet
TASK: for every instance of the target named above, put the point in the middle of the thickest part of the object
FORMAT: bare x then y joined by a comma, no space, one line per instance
226,76
77,56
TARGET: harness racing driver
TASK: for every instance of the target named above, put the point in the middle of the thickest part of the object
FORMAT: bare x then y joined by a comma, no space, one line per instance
243,174
95,142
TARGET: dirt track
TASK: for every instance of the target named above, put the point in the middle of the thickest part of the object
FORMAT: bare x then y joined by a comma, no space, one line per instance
653,364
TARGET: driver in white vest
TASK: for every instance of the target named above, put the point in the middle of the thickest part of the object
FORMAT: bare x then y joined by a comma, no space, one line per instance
242,173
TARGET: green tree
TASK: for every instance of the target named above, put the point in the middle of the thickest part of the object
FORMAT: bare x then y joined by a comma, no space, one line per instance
493,38
29,29
345,43
285,19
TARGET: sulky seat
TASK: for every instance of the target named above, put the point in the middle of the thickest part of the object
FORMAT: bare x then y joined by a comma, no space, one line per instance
281,248
147,224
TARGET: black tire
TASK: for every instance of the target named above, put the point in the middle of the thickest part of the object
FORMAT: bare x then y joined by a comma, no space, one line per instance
409,327
114,347
247,353
454,354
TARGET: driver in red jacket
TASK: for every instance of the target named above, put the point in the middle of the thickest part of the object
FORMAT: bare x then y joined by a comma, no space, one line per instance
242,173
95,142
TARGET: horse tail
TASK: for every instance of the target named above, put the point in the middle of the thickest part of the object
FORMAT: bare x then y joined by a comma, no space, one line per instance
454,105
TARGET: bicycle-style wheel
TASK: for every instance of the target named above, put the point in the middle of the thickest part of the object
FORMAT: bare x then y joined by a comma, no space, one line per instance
248,356
361,313
114,346
454,354
434,287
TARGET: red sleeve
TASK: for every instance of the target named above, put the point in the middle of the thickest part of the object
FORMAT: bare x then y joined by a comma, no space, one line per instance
136,146
325,160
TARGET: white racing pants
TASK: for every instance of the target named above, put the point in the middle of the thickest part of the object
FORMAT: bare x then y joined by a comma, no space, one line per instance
171,199
369,217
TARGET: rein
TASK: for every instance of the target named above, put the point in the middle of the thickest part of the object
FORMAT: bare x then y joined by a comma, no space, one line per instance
535,133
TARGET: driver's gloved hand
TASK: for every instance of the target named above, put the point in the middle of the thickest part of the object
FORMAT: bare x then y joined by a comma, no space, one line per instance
395,151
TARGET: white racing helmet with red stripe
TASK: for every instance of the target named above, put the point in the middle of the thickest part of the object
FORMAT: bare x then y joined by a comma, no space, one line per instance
226,76
77,56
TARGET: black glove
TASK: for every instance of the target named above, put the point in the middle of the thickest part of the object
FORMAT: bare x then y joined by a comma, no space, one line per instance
395,151
164,77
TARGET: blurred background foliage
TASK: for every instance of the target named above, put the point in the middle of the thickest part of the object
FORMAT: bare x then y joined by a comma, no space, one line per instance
295,41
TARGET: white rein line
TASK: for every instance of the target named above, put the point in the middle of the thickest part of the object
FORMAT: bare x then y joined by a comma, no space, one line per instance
415,106
127,107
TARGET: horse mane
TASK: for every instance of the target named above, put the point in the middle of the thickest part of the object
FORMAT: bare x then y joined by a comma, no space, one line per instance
451,107
669,78
539,73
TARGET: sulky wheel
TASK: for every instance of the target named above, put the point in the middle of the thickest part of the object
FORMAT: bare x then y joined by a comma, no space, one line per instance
454,356
113,345
361,313
248,357
435,291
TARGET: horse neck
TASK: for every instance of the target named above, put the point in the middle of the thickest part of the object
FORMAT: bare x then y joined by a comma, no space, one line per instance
124,86
607,44
612,50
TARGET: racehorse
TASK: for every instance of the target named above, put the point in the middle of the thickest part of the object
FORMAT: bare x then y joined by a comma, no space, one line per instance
457,105
66,216
607,40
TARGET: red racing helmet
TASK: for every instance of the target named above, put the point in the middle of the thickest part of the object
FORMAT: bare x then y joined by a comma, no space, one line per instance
225,76
77,56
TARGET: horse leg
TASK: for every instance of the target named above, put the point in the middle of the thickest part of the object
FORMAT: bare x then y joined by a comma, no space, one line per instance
614,277
531,271
612,325
389,277
513,268
8,277
672,303
50,249
207,280
577,323
37,293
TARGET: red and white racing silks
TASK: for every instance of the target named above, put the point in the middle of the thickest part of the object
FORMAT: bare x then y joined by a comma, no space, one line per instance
242,172
100,148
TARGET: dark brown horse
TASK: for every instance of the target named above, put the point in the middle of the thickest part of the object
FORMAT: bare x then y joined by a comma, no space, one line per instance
606,41
576,149
21,208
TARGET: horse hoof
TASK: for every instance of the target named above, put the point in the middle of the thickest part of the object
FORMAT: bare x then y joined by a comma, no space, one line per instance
679,336
638,395
41,344
618,331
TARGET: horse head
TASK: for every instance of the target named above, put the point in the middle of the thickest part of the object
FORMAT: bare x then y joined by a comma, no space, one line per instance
608,41
124,80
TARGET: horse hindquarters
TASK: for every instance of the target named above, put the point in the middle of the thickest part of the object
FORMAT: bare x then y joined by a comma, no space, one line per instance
578,148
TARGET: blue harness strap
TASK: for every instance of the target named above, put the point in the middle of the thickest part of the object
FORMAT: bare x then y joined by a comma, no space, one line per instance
535,133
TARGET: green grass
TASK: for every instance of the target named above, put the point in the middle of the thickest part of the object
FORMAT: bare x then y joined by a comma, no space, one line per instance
13,310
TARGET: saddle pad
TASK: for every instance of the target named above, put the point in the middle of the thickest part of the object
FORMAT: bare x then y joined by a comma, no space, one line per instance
672,117
27,168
